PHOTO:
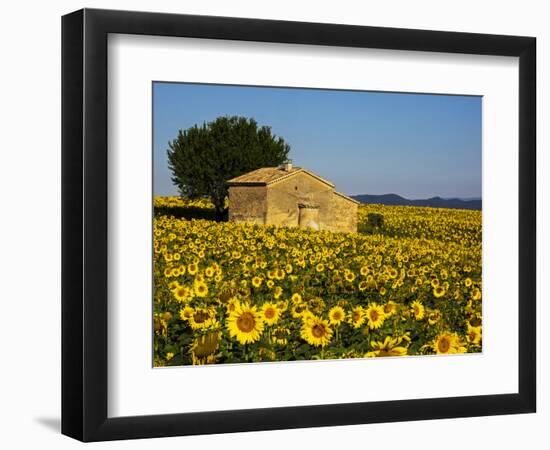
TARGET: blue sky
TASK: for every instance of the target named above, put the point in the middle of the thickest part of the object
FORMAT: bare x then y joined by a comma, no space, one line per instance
414,145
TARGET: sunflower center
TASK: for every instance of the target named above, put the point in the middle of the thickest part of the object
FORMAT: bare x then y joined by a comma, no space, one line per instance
200,317
475,322
318,330
269,313
337,315
246,322
374,315
444,345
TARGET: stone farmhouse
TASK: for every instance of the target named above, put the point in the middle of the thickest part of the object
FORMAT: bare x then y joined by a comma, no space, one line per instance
290,196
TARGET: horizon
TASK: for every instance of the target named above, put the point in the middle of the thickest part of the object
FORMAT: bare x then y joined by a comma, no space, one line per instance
428,145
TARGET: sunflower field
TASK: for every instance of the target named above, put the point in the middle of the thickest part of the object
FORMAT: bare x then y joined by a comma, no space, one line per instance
235,293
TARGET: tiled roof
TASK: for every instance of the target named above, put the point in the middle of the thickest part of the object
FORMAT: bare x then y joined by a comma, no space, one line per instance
269,175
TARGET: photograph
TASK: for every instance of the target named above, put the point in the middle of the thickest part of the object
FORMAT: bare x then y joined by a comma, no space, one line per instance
306,224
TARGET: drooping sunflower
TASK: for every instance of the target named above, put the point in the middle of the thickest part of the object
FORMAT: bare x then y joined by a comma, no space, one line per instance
336,315
298,310
282,305
270,313
245,323
447,343
201,318
204,348
390,347
434,317
390,308
316,331
375,316
417,309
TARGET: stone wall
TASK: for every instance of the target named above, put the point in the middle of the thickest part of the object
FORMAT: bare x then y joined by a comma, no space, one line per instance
284,197
344,215
247,204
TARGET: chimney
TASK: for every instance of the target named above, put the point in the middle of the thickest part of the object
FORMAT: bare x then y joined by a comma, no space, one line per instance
287,165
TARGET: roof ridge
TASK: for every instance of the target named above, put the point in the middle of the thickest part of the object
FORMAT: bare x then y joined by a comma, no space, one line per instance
272,175
347,197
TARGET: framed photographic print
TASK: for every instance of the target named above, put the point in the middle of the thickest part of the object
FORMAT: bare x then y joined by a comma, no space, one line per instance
273,224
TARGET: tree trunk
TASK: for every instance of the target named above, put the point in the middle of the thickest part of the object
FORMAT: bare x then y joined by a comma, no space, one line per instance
221,213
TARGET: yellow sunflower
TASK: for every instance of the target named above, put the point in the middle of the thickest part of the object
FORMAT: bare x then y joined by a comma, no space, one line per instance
349,276
270,313
245,324
357,316
336,315
182,294
192,269
375,315
256,282
390,347
316,331
201,289
417,309
186,312
439,291
473,335
448,343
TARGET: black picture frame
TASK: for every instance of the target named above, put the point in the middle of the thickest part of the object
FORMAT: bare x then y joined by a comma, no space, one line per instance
84,224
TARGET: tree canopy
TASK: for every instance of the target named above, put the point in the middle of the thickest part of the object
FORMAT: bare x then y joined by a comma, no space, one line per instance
203,158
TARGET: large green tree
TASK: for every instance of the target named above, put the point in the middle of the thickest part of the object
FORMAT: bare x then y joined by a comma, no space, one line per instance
203,158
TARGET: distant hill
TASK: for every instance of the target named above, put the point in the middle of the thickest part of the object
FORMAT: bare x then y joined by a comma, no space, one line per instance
434,202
